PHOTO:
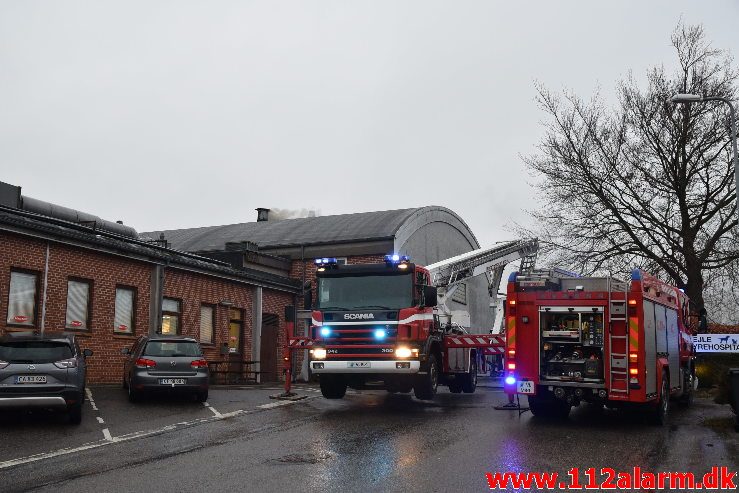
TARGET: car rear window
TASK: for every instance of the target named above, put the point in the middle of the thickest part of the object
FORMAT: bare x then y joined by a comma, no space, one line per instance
34,351
172,348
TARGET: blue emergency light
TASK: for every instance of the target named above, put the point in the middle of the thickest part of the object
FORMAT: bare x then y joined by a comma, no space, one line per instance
510,380
380,333
326,261
396,259
325,331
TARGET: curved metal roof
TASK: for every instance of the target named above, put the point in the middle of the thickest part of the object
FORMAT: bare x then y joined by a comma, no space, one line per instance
341,228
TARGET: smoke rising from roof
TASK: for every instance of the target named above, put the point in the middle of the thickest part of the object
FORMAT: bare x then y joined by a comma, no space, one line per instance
276,214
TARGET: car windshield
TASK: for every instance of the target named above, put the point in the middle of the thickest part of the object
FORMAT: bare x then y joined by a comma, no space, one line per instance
34,351
172,348
365,292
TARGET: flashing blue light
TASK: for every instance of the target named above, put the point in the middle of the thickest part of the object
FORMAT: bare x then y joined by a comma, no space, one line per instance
325,331
326,261
396,259
380,333
510,380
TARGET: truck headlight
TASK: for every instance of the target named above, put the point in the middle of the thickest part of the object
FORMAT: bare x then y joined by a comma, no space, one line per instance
318,353
406,352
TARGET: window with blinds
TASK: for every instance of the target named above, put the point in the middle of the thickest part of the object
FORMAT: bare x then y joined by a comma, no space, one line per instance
78,304
125,300
207,323
171,316
22,298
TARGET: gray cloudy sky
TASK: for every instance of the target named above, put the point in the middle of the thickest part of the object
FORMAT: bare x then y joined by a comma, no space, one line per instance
178,114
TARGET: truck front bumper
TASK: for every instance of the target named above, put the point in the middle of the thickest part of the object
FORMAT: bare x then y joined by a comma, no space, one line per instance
386,367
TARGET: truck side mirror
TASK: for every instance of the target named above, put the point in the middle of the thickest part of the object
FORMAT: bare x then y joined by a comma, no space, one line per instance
430,297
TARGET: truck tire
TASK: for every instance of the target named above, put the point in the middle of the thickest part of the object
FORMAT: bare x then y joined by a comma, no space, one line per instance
455,387
332,386
551,408
686,400
469,381
658,413
426,385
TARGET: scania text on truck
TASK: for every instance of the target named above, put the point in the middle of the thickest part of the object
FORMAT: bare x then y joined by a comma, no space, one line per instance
597,339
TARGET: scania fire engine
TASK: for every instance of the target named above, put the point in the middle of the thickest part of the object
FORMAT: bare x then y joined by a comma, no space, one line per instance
601,340
387,326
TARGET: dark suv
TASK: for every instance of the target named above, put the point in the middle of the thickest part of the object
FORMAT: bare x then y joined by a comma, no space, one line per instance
44,371
165,363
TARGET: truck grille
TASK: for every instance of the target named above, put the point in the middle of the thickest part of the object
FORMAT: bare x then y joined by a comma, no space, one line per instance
358,335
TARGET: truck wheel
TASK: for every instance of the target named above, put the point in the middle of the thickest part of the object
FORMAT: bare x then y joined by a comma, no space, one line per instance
455,387
686,400
426,385
333,386
549,408
469,382
658,414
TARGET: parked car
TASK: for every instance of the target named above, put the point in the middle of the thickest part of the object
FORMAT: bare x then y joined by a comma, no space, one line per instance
43,371
165,364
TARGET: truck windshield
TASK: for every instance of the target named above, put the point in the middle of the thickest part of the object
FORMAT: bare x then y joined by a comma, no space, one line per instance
365,292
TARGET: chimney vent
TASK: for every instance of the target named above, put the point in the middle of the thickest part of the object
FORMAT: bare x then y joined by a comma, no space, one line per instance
262,214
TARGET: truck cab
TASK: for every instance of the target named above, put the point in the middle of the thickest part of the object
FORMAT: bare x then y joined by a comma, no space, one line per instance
373,326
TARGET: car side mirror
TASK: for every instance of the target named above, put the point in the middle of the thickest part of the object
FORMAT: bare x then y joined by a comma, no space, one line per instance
125,350
430,297
87,352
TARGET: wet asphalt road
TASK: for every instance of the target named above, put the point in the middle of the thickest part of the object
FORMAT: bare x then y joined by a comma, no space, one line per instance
370,441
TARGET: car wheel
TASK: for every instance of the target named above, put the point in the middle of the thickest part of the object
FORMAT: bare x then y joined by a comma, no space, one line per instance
133,396
201,396
75,413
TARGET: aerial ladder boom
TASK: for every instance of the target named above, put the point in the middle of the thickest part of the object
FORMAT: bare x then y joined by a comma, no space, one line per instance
447,275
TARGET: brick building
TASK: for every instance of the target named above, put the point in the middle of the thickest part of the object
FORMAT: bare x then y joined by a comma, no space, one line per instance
109,288
228,286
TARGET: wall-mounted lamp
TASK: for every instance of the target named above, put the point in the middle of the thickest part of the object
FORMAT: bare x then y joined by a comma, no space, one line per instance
226,302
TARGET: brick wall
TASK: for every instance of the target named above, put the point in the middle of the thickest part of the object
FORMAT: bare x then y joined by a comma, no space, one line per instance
193,290
105,272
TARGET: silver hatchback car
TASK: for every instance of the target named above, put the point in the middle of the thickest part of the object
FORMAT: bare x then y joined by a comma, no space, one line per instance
165,364
43,371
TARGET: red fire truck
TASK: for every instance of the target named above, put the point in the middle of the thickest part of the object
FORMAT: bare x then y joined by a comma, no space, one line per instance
387,325
597,339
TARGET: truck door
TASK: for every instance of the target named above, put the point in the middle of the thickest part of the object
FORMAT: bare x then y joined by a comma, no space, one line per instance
650,347
673,347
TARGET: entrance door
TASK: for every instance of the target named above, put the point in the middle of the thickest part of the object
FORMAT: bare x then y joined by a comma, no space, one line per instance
235,329
268,351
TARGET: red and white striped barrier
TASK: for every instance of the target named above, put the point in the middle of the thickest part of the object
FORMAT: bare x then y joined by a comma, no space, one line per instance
298,343
475,341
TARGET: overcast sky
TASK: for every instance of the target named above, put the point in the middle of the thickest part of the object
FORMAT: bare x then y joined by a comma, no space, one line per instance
181,114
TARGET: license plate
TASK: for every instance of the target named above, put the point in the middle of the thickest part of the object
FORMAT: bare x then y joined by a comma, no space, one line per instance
172,381
358,364
525,387
30,379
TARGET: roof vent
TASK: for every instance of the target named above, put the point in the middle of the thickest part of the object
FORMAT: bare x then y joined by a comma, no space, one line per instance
262,214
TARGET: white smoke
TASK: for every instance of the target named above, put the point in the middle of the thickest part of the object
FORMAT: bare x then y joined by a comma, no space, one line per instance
282,214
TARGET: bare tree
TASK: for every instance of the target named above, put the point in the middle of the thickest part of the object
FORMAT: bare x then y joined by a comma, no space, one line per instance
646,183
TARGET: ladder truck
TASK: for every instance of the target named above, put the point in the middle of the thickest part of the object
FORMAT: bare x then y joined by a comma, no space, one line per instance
387,325
597,339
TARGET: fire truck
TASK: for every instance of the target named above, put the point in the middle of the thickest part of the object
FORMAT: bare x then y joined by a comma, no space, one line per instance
387,325
597,339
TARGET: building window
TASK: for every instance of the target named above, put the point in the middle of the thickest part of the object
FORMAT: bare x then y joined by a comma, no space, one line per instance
125,309
341,261
171,316
22,298
235,326
207,323
78,304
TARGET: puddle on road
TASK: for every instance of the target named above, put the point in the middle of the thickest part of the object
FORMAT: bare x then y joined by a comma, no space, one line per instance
309,458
